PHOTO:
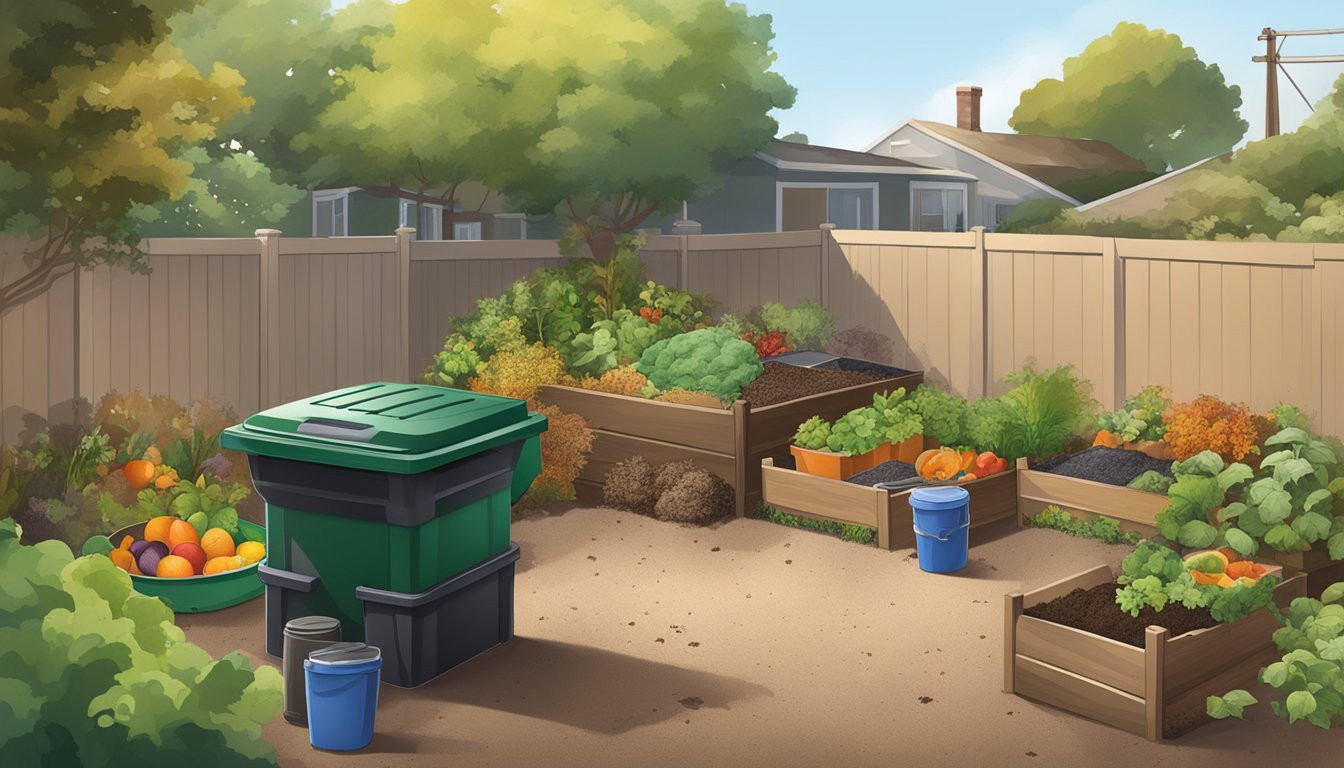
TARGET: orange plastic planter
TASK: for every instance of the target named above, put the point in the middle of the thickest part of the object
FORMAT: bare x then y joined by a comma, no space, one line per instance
907,451
836,466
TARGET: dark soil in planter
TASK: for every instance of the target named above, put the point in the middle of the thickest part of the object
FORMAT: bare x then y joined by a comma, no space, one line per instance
1113,466
1094,610
886,472
854,365
780,383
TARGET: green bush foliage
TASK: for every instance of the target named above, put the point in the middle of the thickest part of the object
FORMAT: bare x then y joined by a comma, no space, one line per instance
855,533
1041,412
1152,481
813,434
708,360
1154,576
943,414
807,326
1140,418
1103,529
455,365
95,674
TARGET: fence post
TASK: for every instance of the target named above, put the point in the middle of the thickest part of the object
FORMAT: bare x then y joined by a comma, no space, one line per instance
270,317
825,277
405,235
1113,324
979,383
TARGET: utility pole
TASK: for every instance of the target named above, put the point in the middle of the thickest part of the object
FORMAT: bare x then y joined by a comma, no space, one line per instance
1274,61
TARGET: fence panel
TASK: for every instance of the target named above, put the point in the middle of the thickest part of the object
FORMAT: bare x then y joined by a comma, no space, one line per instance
743,272
1237,320
37,352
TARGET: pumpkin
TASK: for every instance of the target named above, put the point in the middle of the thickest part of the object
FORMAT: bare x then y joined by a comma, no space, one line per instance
942,463
139,473
923,459
1107,438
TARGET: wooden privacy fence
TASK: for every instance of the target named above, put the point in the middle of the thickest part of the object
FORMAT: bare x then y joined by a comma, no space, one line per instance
263,320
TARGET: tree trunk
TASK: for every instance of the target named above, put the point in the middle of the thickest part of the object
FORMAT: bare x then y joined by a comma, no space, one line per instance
614,218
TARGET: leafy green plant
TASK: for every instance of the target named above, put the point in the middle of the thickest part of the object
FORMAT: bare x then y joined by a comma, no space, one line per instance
1201,484
618,341
807,325
1046,408
707,360
813,434
944,415
987,421
1140,418
858,431
1310,674
1286,415
1152,481
1103,529
455,364
897,417
686,309
94,673
737,325
1291,503
846,531
1154,576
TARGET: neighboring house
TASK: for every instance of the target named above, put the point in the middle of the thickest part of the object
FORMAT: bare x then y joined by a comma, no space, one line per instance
789,187
1009,167
1144,198
365,211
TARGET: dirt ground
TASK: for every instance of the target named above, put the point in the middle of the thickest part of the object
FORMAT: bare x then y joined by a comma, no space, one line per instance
641,643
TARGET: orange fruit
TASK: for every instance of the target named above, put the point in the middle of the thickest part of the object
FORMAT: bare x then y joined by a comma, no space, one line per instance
175,567
1206,578
217,543
182,532
251,552
221,565
158,528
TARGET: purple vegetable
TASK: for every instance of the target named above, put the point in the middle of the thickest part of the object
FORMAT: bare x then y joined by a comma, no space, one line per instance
137,547
149,559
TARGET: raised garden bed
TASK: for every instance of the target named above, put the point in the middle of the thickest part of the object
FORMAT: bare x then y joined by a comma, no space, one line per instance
1157,691
728,442
992,498
1133,510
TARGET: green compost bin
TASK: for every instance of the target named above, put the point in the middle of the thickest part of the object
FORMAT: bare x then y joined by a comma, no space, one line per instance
394,487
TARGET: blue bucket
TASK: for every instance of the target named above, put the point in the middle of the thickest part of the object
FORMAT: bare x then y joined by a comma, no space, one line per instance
342,693
942,525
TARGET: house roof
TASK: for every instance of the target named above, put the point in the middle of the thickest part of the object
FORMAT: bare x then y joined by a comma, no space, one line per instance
1046,161
1143,197
787,155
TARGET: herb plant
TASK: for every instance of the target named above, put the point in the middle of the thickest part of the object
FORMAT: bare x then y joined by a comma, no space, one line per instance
897,417
1310,675
1045,409
455,364
807,325
1291,503
1103,529
856,432
1140,418
813,434
943,414
1154,576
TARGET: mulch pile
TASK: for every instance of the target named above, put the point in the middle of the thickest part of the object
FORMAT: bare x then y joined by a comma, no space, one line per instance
886,472
780,383
1113,466
1094,610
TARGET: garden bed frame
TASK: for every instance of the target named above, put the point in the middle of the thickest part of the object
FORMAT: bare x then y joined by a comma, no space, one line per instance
1157,691
993,498
1133,510
730,442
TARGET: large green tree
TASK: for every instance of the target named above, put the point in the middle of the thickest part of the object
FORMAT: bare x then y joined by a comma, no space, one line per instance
631,107
1143,91
95,109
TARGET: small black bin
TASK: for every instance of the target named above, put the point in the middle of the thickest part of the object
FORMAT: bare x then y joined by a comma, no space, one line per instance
424,635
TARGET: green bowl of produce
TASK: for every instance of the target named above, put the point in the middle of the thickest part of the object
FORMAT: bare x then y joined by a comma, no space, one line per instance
200,593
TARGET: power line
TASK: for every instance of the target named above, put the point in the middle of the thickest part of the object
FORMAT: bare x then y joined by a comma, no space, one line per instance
1274,62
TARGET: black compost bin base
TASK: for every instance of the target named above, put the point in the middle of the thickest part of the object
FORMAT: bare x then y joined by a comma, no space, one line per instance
423,636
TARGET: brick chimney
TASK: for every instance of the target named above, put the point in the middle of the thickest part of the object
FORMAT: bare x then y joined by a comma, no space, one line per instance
968,107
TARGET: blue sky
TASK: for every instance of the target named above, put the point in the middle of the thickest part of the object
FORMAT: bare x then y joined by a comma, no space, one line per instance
861,66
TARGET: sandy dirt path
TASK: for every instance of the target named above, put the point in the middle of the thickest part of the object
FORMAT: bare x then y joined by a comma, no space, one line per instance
641,643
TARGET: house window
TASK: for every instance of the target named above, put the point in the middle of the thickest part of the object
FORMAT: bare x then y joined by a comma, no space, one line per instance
407,215
331,208
427,220
937,207
509,226
802,205
467,230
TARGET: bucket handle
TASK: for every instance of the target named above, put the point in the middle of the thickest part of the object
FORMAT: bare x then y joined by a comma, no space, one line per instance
966,523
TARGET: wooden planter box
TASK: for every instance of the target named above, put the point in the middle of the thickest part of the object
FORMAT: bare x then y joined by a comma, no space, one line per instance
730,443
992,498
1317,567
1157,691
1134,510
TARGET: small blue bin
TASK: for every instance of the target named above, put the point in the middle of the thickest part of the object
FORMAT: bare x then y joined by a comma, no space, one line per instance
942,525
342,683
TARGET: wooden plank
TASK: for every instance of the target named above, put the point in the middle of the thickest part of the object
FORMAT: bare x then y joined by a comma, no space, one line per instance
1076,694
200,322
1187,709
62,342
1012,610
1184,298
1237,339
1049,244
1115,664
687,425
1211,326
610,448
216,312
1087,496
1154,665
820,497
1101,574
1218,252
114,304
741,469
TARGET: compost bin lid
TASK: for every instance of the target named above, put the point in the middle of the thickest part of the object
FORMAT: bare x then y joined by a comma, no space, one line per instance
939,497
401,428
340,654
306,626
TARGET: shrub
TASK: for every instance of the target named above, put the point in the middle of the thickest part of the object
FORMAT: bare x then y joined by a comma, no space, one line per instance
807,325
697,497
944,415
564,447
618,381
1210,424
520,372
629,485
813,434
1045,409
863,344
1103,529
707,360
95,674
455,365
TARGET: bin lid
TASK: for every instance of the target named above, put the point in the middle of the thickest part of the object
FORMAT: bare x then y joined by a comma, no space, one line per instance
341,654
399,428
939,497
312,625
